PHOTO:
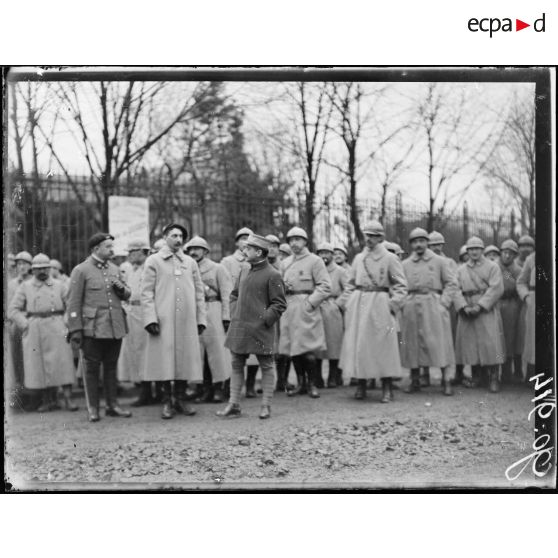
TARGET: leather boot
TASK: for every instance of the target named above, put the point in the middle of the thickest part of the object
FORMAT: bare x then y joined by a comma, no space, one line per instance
168,412
446,384
332,374
518,368
360,392
387,393
301,387
475,376
218,392
145,397
45,405
459,376
311,373
180,405
231,410
494,384
425,377
68,405
318,377
415,385
251,372
111,390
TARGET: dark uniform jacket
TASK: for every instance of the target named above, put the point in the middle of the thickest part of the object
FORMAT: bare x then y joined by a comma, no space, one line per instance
260,301
93,305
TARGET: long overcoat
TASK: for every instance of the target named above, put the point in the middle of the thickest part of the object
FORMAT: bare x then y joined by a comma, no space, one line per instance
47,356
132,352
260,300
217,288
510,306
307,285
521,320
526,282
479,339
172,295
370,348
332,314
425,320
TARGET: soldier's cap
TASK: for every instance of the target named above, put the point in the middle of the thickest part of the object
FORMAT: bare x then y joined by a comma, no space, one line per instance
373,228
475,242
526,240
491,248
272,239
159,244
97,238
24,256
171,226
286,249
40,261
257,241
56,265
197,242
509,244
389,246
297,232
137,244
242,232
341,249
462,251
418,233
436,238
325,247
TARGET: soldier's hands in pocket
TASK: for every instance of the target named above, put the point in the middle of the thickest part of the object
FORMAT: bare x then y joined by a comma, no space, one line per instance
153,328
76,339
201,329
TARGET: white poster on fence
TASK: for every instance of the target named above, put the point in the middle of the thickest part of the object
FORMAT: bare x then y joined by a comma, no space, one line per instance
128,220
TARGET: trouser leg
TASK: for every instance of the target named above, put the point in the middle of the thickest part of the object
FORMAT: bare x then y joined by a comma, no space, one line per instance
268,378
415,384
237,377
518,367
425,377
111,351
91,369
251,371
475,375
207,392
318,374
459,376
507,371
387,393
333,373
310,367
298,363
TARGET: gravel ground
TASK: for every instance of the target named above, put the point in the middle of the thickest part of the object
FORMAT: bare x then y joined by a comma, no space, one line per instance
423,440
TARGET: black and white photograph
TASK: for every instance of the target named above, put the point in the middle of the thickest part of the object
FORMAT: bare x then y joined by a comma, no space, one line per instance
279,278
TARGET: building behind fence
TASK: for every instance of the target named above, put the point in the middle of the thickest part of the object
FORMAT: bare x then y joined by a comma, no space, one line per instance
56,215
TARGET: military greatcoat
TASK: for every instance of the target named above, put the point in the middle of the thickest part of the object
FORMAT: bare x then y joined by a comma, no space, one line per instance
37,308
479,339
307,285
173,296
425,320
375,290
510,306
526,282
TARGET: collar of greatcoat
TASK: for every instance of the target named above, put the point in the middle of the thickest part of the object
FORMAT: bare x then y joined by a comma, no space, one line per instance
38,284
97,262
428,254
303,253
259,265
378,252
471,263
165,252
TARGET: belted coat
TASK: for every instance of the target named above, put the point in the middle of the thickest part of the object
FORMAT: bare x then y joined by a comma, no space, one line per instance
259,294
479,339
307,285
375,289
426,338
172,296
510,307
47,357
526,282
217,291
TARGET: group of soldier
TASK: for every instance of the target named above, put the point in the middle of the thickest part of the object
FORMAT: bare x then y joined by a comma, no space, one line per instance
186,328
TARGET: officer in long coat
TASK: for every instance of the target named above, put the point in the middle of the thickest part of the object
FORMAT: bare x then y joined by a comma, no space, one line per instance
174,315
37,308
307,285
260,301
526,283
425,320
480,336
132,353
217,289
332,315
509,306
23,261
375,290
97,322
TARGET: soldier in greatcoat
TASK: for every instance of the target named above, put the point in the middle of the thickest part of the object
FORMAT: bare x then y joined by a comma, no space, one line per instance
510,305
215,357
132,353
302,336
375,289
525,246
37,308
332,315
526,283
340,256
260,301
492,253
174,315
425,320
480,336
97,322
